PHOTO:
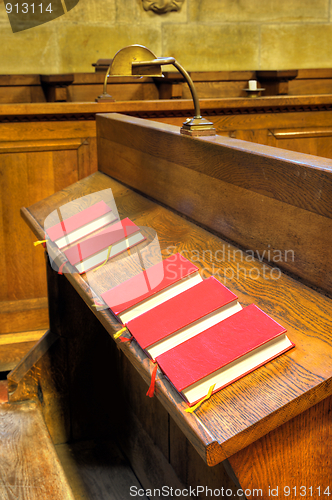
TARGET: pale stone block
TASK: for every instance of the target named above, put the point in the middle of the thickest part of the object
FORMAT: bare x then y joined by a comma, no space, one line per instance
3,15
82,45
32,51
127,10
296,46
92,12
213,48
222,35
220,11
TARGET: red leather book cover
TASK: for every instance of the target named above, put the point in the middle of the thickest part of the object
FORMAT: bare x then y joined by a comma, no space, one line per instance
78,220
180,311
104,239
148,283
218,346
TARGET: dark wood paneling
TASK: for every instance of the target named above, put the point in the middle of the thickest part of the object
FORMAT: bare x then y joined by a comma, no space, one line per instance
42,376
149,411
98,470
192,470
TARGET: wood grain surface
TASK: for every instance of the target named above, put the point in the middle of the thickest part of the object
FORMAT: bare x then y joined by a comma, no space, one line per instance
40,168
270,199
23,315
11,354
293,460
30,468
13,347
242,105
269,396
3,391
35,161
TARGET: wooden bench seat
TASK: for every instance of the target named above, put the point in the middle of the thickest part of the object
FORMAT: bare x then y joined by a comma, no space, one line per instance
14,346
30,467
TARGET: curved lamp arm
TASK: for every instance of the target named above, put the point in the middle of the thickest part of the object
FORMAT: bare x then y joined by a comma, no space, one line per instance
193,126
161,61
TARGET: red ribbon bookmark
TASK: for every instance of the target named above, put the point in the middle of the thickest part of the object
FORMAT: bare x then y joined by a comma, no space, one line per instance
150,392
126,339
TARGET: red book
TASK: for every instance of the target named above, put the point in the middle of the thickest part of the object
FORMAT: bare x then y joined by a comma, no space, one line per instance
223,353
94,250
81,224
183,316
151,287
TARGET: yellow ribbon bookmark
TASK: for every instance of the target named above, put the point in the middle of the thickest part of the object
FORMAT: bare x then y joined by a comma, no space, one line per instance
40,242
119,333
108,254
193,408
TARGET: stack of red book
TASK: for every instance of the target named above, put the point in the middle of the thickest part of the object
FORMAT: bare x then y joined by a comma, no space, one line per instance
195,329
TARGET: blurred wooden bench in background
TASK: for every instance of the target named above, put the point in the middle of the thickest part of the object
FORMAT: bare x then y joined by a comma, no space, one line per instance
85,87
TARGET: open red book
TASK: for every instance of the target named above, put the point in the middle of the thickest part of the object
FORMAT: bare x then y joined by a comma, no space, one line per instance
223,353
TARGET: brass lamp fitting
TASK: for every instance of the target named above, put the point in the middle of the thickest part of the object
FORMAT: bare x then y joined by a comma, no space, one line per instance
136,60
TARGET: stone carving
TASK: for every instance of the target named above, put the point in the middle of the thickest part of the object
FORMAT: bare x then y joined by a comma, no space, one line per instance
162,6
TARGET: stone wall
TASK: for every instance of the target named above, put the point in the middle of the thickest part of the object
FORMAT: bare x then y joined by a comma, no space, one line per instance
205,35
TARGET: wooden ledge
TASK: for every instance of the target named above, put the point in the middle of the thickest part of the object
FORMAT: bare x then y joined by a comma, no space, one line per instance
167,107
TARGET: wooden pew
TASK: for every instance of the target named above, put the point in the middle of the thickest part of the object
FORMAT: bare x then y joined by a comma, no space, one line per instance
85,87
269,430
20,89
37,138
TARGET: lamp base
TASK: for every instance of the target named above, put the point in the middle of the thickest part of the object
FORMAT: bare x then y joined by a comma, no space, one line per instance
254,93
105,98
197,126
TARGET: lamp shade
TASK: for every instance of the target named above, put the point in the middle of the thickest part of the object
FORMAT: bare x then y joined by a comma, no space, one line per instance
123,59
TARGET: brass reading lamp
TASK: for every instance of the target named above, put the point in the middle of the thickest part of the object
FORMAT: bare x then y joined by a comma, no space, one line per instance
138,61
